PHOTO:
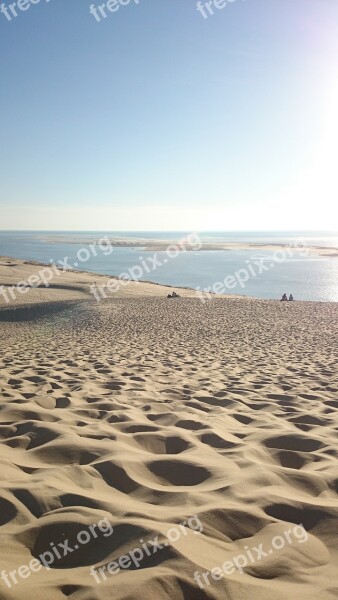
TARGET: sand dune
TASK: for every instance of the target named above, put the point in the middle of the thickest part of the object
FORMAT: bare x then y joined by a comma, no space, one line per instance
144,413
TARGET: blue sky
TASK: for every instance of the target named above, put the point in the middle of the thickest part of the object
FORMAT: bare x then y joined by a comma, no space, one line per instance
156,118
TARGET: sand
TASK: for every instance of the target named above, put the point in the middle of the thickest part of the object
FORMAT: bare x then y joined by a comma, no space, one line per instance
143,413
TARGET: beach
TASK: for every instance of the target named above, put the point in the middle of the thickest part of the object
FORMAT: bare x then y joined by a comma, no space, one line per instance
29,283
166,448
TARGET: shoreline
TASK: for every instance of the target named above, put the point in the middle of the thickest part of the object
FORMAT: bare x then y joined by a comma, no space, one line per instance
75,284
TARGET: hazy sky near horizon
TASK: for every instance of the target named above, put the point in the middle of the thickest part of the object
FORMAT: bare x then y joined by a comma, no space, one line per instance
158,119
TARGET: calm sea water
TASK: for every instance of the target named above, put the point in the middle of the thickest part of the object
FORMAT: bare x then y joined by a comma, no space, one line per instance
307,277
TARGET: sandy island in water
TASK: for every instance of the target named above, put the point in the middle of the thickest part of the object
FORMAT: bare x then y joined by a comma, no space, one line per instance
156,245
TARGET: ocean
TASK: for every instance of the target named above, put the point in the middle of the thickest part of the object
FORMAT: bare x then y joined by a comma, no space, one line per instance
251,272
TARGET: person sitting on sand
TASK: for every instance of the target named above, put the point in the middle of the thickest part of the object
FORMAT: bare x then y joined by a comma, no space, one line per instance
284,298
291,298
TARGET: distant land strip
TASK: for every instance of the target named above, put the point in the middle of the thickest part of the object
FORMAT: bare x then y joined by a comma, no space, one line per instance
156,245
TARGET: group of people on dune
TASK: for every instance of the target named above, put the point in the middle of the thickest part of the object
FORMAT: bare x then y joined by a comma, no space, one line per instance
284,298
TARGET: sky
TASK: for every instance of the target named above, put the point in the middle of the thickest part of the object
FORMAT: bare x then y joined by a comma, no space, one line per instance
157,118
